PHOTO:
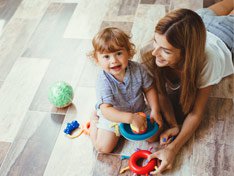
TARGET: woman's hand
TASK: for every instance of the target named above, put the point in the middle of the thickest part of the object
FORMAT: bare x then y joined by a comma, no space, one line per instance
169,135
166,157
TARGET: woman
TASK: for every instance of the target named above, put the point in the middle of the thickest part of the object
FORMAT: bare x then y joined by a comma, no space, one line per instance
187,62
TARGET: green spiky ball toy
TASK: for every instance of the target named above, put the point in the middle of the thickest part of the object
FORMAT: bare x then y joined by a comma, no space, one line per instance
61,94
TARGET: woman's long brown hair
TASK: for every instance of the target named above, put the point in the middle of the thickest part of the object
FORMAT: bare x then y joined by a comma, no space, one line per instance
184,30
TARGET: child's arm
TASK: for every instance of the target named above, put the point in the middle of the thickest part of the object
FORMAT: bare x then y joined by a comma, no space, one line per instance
152,98
115,115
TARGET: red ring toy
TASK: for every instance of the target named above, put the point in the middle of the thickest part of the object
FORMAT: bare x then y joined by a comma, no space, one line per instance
141,154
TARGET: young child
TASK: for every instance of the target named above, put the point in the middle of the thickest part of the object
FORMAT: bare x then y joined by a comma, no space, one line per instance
121,87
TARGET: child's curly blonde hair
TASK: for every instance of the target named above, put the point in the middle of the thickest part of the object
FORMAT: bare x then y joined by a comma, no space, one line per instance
111,39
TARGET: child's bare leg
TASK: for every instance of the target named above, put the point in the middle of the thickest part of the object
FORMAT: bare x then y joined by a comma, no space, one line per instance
223,7
106,141
93,128
103,141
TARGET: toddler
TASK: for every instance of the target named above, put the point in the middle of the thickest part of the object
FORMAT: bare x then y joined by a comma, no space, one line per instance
121,87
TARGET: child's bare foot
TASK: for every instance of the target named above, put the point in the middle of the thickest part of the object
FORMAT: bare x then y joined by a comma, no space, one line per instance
156,137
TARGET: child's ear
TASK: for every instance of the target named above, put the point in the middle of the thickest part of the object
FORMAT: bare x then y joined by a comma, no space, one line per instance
95,60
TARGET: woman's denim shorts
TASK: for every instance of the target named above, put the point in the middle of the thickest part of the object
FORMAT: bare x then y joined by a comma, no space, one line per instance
221,26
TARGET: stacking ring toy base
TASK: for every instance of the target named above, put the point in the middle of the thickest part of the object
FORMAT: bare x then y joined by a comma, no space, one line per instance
126,131
141,154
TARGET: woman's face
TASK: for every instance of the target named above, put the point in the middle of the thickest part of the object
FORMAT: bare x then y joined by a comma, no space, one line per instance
165,54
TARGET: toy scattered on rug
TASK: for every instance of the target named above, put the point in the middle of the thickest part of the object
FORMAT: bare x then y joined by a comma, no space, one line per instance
61,94
129,131
71,127
122,157
137,168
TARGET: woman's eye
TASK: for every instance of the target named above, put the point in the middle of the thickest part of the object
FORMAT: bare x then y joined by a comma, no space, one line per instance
167,52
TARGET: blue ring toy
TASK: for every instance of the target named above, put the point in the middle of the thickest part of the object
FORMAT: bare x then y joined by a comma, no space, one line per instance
126,131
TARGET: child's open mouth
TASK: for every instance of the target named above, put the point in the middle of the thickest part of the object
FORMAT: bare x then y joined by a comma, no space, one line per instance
116,68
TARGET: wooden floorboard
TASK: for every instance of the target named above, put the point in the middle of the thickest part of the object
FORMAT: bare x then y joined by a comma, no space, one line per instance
8,8
4,148
33,144
218,122
1,83
86,20
47,38
17,94
225,89
128,7
13,42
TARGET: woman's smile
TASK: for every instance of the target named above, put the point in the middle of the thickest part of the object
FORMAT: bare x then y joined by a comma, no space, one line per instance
160,60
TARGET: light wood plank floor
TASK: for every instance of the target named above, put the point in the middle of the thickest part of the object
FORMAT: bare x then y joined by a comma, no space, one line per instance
44,41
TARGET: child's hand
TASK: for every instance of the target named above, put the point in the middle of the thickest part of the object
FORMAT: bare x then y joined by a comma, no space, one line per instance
157,117
138,121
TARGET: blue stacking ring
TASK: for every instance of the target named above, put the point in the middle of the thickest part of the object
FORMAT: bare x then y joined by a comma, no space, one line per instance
126,131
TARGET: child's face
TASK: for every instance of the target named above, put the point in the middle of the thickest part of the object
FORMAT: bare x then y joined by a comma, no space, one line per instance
114,63
165,53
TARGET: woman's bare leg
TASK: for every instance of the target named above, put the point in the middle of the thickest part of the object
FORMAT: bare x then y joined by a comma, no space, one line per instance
224,7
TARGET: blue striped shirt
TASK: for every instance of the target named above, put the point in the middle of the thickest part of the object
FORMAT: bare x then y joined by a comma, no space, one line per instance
125,96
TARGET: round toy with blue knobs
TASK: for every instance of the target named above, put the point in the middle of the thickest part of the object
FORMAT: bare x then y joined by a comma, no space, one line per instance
71,126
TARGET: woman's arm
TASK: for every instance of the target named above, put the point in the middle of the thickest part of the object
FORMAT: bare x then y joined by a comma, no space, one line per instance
193,119
167,109
168,113
189,126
